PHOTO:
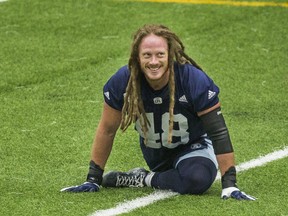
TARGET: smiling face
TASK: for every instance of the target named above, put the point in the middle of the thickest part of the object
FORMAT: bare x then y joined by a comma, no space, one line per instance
153,60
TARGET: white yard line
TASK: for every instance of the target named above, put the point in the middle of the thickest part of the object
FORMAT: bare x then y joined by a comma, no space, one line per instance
129,206
3,0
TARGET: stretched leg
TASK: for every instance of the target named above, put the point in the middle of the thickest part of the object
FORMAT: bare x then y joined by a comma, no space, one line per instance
193,175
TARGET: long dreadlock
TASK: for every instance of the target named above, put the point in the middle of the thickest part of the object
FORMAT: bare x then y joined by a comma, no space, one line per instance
133,108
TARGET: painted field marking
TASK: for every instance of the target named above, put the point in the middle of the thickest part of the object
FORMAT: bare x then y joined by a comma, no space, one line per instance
222,2
3,0
129,206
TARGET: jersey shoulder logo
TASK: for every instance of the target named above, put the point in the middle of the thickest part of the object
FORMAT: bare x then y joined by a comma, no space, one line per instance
183,99
107,95
211,94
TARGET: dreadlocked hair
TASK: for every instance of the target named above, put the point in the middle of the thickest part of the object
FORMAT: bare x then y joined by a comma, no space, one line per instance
133,107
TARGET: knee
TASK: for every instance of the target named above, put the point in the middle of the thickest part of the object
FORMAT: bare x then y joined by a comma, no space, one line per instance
194,184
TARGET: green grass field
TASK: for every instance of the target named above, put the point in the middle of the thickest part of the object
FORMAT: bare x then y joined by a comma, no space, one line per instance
55,56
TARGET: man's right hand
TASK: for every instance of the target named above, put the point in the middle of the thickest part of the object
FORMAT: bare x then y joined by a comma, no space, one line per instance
85,187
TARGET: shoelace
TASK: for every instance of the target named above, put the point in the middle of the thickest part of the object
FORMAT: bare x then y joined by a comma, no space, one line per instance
131,181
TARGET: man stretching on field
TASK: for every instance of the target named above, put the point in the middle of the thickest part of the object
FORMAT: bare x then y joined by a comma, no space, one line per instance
176,111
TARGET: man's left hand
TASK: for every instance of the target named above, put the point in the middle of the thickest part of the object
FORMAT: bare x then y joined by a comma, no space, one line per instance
234,192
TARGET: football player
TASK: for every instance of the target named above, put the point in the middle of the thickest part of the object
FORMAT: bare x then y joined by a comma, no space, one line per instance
176,111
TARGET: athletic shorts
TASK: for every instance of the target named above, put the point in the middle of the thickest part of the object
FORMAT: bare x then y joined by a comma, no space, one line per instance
160,160
207,152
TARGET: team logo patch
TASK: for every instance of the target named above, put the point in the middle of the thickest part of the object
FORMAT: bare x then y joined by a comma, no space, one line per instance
157,100
196,146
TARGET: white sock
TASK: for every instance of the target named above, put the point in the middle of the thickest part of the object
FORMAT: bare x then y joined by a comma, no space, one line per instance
148,178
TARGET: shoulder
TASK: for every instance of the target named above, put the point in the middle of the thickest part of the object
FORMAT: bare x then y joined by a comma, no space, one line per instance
189,72
119,79
191,78
115,88
122,74
198,87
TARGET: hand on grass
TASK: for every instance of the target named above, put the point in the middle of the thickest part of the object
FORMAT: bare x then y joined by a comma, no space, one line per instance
235,193
85,187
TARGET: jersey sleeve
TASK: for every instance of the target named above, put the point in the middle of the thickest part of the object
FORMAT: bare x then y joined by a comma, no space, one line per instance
202,91
115,88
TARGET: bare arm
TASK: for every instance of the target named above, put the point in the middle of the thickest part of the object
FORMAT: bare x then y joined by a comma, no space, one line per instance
226,160
214,124
101,148
105,133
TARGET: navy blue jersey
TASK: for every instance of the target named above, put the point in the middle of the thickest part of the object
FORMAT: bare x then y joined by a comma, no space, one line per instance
194,92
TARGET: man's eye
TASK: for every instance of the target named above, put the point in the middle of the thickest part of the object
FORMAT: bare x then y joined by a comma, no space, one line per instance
146,55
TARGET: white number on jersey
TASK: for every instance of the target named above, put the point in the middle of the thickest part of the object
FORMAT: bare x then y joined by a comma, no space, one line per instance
156,140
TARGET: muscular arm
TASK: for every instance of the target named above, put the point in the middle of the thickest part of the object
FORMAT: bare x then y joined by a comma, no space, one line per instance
101,148
214,124
105,133
225,160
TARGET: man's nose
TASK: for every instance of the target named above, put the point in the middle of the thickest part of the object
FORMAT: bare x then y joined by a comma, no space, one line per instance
154,59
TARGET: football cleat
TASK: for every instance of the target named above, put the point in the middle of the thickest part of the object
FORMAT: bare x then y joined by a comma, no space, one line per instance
132,178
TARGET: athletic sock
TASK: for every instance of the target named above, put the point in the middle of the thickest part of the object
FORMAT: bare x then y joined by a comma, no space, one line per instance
148,179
